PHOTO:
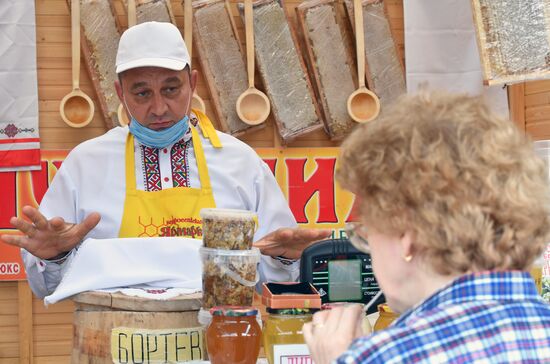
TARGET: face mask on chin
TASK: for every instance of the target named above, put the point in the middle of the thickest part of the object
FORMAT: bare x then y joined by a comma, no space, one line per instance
159,138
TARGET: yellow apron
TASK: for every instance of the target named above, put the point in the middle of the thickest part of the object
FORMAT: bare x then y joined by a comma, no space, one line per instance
170,212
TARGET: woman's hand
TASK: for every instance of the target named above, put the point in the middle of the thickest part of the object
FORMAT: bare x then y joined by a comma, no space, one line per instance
290,242
331,332
45,238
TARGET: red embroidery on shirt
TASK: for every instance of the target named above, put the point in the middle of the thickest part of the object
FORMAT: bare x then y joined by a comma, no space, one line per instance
178,160
180,175
151,168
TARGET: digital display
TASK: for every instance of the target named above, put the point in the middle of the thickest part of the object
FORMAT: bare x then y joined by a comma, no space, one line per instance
344,280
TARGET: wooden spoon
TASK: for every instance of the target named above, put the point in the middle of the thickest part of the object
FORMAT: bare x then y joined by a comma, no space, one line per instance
123,117
252,105
196,103
76,108
363,104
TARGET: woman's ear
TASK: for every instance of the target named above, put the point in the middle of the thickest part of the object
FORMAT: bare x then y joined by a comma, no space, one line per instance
407,246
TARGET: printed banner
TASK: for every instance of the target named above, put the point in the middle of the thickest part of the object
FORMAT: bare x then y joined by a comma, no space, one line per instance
19,140
136,345
305,175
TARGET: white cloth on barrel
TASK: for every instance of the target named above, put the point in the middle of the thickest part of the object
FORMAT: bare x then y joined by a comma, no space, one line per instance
126,262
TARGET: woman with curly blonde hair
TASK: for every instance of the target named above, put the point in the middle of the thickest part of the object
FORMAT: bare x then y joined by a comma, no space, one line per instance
455,207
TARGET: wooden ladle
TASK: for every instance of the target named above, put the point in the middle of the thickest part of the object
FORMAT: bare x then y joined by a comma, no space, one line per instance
252,105
76,108
122,115
363,104
196,102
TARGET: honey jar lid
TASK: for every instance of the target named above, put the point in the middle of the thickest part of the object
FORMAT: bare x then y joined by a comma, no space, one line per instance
331,305
227,214
291,311
233,311
282,295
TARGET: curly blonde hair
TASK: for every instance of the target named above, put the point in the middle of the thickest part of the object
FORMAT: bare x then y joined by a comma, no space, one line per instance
465,182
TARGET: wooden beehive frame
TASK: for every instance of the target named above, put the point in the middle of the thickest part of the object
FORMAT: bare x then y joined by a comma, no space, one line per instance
493,57
383,66
299,115
149,10
332,64
217,74
99,46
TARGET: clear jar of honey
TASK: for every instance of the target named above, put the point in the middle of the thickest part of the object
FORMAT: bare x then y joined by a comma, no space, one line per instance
282,333
365,323
385,317
234,335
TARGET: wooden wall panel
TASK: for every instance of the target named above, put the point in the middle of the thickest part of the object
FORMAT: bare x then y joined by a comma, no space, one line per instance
9,323
54,75
537,109
51,332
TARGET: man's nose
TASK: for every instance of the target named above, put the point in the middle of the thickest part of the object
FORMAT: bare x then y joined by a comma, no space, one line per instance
159,105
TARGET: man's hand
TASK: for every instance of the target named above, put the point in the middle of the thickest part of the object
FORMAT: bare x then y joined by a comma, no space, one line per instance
290,242
47,238
330,332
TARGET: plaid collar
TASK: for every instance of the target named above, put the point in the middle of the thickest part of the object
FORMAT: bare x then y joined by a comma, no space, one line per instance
480,286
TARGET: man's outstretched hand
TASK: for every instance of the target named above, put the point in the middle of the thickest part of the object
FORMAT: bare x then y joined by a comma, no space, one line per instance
45,238
290,242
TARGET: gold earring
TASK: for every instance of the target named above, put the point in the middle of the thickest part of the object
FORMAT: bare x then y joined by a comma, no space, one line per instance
408,258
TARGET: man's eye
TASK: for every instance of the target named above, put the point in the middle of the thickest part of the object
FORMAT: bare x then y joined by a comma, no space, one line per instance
170,90
142,94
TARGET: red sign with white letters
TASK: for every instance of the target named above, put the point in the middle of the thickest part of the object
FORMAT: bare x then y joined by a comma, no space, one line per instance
305,175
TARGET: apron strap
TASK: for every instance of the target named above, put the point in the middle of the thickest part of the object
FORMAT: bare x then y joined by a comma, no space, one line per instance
201,159
208,129
130,164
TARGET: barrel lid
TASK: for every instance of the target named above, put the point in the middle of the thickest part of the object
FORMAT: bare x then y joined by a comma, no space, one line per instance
118,301
233,311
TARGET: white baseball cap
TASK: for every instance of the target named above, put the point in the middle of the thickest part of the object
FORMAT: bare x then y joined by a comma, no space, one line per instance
152,44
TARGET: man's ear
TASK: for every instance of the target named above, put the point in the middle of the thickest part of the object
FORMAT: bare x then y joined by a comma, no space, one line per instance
193,78
118,88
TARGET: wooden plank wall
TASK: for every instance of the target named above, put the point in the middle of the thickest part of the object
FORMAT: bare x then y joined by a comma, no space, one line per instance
31,333
54,76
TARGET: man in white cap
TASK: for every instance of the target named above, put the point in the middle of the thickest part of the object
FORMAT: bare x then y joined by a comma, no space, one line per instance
153,177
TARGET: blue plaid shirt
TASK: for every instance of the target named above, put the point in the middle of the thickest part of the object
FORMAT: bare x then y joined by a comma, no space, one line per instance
489,317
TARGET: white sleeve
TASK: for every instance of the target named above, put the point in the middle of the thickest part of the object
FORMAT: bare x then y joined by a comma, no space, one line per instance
44,276
59,200
61,197
273,213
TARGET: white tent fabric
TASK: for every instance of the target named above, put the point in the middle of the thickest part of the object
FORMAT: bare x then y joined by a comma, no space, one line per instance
441,50
19,139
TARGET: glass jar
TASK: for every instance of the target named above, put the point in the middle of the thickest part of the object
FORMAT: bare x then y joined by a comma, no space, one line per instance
282,333
385,317
233,336
365,323
536,273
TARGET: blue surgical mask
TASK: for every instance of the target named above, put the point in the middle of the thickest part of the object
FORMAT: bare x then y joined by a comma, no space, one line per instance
159,138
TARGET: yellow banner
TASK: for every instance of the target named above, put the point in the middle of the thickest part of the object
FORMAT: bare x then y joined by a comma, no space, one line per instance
133,345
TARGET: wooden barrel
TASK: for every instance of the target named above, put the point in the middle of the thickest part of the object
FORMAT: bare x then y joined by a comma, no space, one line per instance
116,328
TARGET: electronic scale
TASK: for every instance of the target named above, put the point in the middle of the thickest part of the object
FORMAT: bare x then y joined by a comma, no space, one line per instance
340,273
